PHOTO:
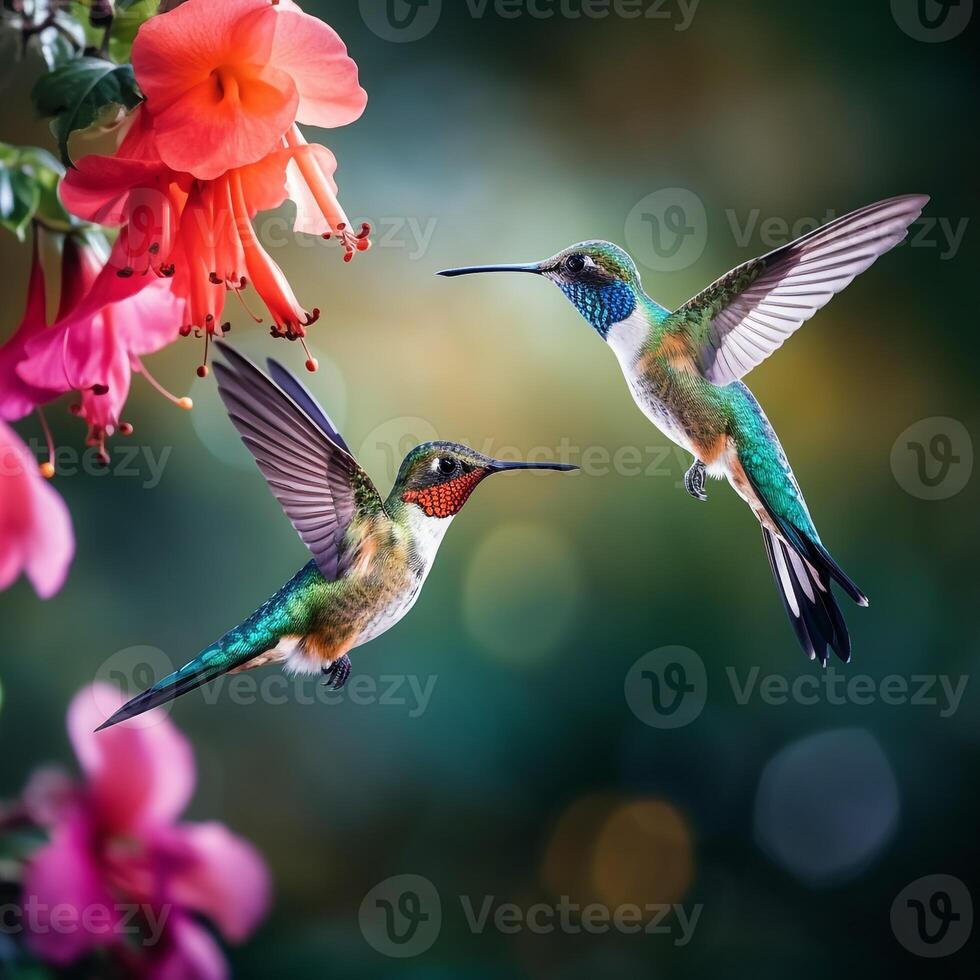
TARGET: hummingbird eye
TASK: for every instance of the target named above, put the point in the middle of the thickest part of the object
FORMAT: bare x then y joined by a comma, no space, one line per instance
446,465
575,263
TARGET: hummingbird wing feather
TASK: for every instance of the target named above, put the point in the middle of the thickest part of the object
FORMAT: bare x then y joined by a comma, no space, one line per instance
740,319
301,395
308,467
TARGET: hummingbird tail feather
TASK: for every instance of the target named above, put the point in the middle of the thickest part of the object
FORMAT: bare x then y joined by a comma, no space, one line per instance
808,600
803,569
262,632
212,663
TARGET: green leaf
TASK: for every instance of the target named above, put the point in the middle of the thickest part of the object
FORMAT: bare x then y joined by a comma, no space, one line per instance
19,198
29,178
79,94
130,17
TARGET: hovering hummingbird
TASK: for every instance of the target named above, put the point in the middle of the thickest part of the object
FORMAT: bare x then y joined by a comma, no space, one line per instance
684,370
370,556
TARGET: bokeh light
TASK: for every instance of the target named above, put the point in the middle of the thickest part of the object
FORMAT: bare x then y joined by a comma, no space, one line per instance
522,589
827,805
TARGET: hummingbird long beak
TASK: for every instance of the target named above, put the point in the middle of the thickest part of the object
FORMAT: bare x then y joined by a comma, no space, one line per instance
533,267
499,465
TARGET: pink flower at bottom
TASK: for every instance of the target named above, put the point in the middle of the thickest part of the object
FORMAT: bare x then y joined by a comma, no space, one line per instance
35,529
120,872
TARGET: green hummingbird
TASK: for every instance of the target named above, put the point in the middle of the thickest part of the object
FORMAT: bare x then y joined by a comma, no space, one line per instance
370,556
684,370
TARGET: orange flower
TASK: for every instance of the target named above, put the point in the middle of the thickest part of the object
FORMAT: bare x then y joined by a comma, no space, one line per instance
213,146
226,81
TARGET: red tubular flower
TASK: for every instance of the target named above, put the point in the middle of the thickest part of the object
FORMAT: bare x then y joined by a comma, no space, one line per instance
215,143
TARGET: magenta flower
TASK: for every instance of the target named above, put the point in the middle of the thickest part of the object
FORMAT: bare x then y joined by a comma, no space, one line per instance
17,397
97,341
35,530
120,872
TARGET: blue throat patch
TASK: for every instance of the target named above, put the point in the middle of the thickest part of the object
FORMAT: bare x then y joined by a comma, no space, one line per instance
602,306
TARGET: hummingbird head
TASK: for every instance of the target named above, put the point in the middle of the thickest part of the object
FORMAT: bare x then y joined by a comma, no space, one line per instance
599,278
438,477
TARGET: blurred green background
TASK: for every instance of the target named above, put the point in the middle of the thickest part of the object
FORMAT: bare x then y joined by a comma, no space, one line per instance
527,775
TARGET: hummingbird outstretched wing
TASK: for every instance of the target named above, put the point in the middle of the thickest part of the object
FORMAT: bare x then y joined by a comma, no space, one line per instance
740,319
303,458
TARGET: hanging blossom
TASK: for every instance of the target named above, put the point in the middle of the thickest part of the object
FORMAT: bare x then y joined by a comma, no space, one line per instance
215,142
116,846
35,530
92,348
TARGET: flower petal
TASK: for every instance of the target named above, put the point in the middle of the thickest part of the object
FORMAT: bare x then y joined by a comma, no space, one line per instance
68,910
310,217
224,879
177,50
139,774
35,529
17,397
52,545
192,954
208,131
216,101
316,58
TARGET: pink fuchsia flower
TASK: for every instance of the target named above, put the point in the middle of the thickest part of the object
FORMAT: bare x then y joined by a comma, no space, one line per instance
93,349
226,81
17,397
116,846
36,536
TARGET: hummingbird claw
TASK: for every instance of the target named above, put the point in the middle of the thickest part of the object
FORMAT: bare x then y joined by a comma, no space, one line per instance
337,673
694,480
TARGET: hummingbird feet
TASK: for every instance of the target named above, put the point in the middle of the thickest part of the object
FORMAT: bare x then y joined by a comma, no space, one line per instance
337,673
694,480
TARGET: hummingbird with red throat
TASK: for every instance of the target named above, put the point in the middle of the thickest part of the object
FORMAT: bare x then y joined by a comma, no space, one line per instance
371,555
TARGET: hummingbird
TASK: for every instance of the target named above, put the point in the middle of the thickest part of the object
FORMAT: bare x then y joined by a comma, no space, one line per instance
370,556
684,369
